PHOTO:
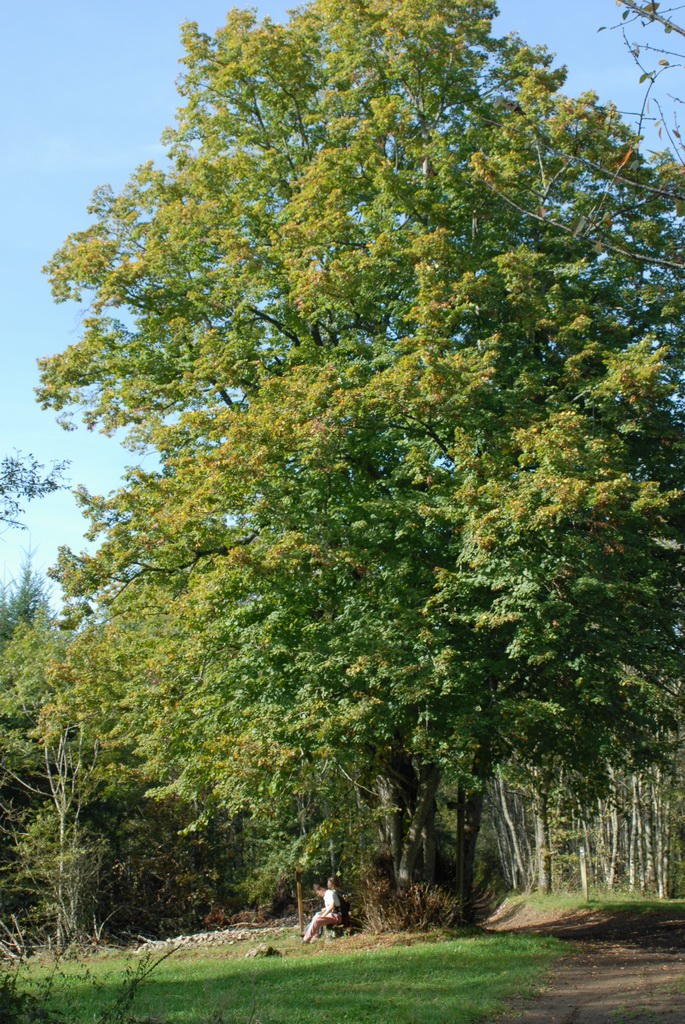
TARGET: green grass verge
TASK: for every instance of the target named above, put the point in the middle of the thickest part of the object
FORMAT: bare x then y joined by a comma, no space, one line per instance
456,980
610,902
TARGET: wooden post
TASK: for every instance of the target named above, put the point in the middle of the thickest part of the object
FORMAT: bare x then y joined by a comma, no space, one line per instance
583,873
300,912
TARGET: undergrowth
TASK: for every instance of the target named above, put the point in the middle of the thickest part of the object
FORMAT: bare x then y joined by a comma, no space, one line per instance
28,996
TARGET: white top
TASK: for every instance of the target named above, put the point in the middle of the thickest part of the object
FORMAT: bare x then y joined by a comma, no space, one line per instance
331,901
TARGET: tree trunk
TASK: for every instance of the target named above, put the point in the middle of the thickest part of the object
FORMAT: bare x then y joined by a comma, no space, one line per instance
615,831
390,825
406,791
429,846
421,821
632,859
473,813
362,838
514,865
648,831
542,843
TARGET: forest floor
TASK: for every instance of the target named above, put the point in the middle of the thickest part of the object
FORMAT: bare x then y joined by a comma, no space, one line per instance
624,966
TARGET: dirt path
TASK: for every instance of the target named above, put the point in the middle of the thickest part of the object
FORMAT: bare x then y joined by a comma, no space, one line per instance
624,968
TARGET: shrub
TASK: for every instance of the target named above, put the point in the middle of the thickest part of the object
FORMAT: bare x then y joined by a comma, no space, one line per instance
419,907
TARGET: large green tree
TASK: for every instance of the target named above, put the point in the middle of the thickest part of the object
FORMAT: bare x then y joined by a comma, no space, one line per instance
418,506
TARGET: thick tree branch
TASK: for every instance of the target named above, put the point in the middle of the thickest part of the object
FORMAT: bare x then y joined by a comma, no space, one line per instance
221,551
278,324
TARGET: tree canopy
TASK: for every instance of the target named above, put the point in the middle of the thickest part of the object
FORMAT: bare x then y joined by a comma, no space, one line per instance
408,345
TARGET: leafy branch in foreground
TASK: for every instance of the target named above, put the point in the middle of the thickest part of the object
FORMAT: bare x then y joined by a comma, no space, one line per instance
120,1011
653,62
23,1001
23,478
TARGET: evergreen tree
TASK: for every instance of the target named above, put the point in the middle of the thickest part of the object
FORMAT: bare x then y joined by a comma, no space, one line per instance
22,600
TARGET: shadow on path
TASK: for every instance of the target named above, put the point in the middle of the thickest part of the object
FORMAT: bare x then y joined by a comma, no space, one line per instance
625,968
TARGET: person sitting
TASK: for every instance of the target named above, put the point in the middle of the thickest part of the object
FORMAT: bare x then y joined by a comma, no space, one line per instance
328,915
343,904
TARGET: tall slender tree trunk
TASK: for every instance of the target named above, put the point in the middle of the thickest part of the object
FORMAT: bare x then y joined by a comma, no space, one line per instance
518,872
634,837
615,834
543,850
661,817
648,828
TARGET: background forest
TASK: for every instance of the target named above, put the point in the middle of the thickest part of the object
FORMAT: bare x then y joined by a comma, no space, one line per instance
399,597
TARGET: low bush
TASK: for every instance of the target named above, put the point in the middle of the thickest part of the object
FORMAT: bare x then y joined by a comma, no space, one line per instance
419,907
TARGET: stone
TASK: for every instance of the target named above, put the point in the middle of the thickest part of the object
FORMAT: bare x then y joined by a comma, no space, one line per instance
262,950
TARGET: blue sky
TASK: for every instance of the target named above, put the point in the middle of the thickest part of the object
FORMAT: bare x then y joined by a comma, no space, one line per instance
86,90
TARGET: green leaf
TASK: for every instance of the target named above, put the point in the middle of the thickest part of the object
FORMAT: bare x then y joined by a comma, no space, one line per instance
579,226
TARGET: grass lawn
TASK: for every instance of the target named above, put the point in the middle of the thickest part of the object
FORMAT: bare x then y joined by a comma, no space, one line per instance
386,980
